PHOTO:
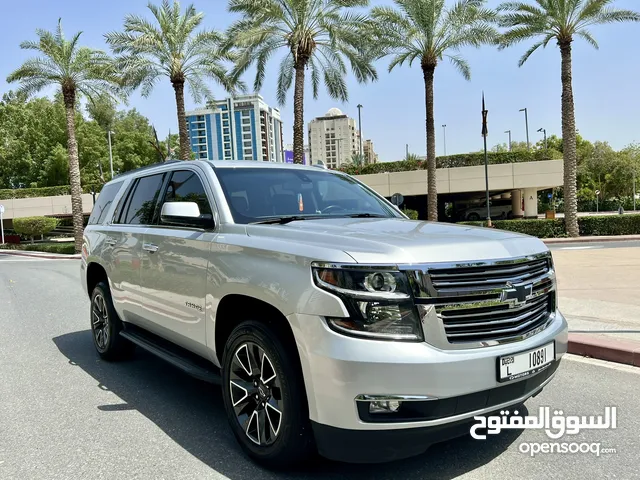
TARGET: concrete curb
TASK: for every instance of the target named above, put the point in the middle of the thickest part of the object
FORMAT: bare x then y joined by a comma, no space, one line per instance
605,348
47,256
607,238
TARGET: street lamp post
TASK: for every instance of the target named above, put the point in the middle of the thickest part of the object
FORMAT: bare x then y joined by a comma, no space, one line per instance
360,127
597,197
444,136
109,133
544,131
509,132
526,124
634,190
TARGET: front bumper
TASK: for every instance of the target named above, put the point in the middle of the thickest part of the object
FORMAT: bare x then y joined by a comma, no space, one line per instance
337,369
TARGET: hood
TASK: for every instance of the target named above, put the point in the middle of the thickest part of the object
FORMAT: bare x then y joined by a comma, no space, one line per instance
397,240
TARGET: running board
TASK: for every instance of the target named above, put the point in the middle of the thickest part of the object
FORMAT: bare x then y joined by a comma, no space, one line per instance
180,358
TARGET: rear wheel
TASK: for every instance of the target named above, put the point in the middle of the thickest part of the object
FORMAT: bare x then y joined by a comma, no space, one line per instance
106,326
264,397
473,216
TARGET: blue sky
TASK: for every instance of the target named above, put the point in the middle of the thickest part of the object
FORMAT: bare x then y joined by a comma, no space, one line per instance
605,82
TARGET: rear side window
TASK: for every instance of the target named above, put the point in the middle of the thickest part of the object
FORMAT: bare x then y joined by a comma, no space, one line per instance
103,203
185,186
141,204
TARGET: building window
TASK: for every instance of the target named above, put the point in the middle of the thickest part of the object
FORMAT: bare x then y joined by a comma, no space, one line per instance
203,155
246,136
246,129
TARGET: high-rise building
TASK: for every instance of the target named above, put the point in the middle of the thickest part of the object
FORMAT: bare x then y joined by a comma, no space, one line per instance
333,139
239,128
370,156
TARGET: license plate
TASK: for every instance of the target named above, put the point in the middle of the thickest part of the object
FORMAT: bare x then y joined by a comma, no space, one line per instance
524,364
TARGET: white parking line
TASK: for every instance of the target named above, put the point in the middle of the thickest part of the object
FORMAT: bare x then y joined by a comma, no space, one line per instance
586,247
602,363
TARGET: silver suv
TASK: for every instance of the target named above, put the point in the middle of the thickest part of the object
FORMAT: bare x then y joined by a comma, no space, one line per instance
332,322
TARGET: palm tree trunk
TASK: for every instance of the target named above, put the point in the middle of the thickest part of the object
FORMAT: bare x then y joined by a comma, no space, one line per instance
432,188
69,95
569,144
185,146
298,114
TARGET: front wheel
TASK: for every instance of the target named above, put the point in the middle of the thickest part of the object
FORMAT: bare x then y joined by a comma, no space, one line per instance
264,397
106,326
473,217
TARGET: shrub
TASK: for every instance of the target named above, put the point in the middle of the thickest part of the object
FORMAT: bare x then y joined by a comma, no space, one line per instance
412,214
610,225
592,225
536,228
68,248
32,226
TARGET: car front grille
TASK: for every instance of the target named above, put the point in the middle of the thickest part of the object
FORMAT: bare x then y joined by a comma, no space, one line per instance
491,301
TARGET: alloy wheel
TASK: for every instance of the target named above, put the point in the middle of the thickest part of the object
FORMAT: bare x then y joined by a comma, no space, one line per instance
100,322
256,394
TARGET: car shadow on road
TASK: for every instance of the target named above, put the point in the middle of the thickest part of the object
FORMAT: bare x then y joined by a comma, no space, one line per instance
191,412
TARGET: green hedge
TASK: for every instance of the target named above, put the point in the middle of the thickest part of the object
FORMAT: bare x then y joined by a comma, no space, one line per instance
589,226
450,161
67,248
34,226
13,193
412,214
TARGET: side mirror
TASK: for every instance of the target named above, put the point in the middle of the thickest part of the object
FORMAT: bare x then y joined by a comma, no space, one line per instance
186,214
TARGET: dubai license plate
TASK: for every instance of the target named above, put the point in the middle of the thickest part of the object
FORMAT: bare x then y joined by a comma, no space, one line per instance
525,364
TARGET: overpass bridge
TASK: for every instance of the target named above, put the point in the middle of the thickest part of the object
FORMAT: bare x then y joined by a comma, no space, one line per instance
516,181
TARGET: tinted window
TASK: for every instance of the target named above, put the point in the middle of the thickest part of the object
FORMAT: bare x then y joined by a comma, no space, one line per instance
258,193
142,202
103,203
185,186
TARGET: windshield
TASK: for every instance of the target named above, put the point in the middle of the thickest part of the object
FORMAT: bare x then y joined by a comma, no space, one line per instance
257,194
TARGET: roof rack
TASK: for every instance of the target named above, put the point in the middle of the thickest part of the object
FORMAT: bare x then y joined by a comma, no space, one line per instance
148,167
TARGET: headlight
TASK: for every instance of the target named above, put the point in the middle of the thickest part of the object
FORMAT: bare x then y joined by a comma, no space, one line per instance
378,301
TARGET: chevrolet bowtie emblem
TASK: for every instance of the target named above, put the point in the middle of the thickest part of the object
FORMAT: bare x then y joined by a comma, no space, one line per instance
517,294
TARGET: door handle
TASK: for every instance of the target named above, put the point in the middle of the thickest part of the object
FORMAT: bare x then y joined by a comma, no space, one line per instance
111,241
150,247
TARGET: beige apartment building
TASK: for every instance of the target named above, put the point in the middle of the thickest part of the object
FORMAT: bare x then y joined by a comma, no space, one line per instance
370,156
333,139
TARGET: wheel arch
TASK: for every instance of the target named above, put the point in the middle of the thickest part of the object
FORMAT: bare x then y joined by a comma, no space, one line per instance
95,274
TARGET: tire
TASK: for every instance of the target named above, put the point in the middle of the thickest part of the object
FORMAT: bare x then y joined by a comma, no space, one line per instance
106,326
254,358
473,217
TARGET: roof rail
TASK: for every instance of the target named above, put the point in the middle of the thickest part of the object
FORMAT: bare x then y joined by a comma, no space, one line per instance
148,167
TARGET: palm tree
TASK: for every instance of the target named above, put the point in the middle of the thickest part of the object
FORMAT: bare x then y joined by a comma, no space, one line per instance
171,47
428,31
316,34
561,20
77,71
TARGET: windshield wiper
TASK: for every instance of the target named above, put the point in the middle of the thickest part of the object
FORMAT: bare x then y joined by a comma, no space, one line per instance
279,220
366,215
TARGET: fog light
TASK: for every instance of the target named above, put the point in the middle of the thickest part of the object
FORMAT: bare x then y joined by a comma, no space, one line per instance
387,406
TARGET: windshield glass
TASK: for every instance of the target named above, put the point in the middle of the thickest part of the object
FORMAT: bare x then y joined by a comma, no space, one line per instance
256,194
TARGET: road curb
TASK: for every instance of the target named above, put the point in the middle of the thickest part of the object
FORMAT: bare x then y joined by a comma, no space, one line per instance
605,348
608,238
52,256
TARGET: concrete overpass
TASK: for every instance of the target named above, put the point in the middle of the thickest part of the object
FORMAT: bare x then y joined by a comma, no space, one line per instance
518,180
43,206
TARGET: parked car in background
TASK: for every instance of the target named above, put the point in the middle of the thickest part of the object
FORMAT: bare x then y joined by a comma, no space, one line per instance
332,322
500,209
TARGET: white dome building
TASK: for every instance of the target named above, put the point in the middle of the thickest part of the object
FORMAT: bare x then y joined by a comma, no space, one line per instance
334,112
333,139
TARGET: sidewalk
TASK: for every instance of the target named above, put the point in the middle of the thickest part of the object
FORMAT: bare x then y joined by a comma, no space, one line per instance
597,292
603,238
43,255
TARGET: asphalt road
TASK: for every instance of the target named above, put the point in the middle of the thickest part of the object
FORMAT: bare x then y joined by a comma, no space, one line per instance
65,414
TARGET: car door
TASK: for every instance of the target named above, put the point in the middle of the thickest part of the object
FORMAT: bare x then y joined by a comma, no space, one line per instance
174,267
132,217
